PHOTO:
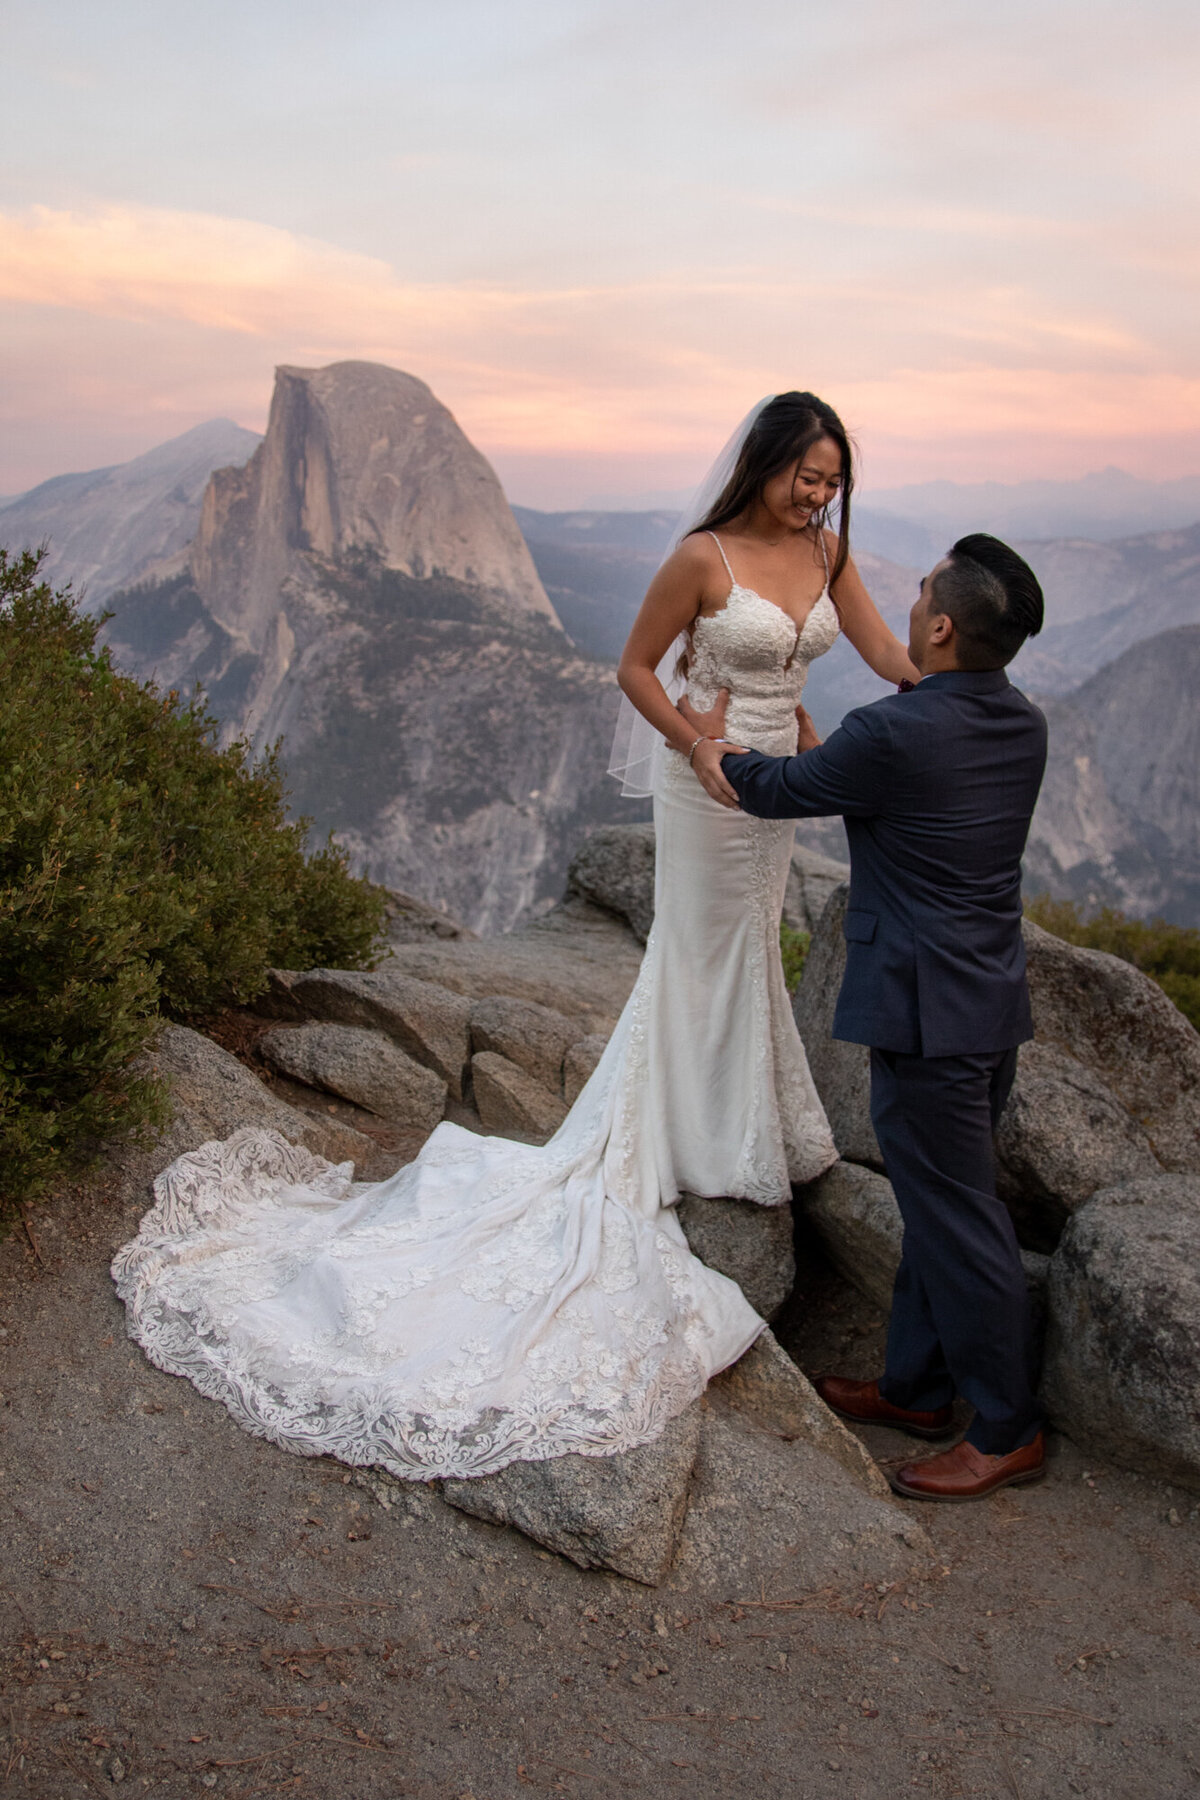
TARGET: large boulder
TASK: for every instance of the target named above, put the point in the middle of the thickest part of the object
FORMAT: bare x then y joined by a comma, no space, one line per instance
855,1214
751,1244
428,1021
577,958
1109,1087
615,870
1122,1366
213,1095
619,1512
1119,1024
812,879
842,1072
360,1065
534,1037
767,1386
509,1100
769,1514
1062,1135
755,1480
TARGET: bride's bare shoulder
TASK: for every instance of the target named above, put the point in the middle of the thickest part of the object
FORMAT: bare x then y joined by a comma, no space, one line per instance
696,556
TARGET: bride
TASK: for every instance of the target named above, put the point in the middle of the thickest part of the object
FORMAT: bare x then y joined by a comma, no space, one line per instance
495,1301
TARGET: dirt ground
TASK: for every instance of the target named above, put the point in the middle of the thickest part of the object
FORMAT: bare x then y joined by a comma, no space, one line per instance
186,1610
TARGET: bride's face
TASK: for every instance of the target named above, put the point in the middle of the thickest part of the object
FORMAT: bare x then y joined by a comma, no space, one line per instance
799,492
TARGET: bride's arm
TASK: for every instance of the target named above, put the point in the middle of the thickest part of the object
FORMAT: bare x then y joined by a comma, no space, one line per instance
672,603
878,646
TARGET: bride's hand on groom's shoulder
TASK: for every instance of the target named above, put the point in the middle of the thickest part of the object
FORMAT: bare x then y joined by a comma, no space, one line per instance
705,756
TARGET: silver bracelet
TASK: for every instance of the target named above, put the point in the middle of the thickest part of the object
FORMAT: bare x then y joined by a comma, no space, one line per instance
692,751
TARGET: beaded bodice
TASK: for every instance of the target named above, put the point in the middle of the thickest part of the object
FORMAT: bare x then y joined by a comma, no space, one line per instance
753,648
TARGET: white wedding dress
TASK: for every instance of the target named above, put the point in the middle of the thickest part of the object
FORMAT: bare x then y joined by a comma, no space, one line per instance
494,1301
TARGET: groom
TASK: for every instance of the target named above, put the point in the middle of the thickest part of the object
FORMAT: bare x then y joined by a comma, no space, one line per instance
937,786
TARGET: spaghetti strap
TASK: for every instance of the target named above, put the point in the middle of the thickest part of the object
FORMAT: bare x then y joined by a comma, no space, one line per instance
824,555
720,546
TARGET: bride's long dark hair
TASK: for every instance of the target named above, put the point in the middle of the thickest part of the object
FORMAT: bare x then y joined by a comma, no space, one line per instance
784,430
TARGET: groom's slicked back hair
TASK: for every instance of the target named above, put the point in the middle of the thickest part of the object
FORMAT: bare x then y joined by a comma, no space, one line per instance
994,599
787,427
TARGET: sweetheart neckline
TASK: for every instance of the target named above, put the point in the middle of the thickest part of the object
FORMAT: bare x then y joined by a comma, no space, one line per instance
739,587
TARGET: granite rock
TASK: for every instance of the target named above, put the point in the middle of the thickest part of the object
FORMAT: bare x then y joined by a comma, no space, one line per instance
842,1072
620,1512
767,1386
766,1513
360,1065
812,879
721,1497
428,1021
509,1100
580,1064
615,869
855,1215
1119,1024
213,1095
534,1037
1110,1086
751,1244
1122,1365
1063,1135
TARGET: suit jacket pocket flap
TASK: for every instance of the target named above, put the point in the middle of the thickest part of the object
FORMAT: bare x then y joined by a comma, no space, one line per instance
860,927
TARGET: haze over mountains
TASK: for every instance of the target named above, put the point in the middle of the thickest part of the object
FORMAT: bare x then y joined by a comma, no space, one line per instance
107,527
441,670
1107,504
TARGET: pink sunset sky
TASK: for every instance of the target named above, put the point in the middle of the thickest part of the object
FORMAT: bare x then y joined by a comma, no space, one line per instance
601,231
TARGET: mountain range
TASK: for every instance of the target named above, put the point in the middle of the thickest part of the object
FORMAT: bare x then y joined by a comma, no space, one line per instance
105,528
360,589
1107,504
440,665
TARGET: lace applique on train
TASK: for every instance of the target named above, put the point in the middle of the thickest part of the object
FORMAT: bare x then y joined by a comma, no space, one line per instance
495,1301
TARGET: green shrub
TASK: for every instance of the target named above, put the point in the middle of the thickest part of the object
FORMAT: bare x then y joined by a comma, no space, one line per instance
142,869
1169,954
793,948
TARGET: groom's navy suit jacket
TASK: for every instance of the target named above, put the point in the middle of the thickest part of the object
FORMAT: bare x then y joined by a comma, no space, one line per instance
937,788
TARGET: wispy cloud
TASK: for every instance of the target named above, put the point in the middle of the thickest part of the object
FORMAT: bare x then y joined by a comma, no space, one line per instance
600,230
580,367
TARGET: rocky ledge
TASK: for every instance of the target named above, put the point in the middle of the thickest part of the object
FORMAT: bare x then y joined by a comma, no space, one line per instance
500,1035
1100,1163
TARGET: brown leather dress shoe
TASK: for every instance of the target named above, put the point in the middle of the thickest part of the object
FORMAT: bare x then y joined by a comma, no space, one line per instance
863,1402
966,1473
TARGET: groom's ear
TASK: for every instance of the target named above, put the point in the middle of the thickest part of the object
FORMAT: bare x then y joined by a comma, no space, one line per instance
941,629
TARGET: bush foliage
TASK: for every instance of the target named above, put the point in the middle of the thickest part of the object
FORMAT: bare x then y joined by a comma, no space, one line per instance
142,870
793,949
1169,954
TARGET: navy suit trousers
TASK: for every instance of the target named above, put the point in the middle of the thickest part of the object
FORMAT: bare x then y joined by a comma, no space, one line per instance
961,1319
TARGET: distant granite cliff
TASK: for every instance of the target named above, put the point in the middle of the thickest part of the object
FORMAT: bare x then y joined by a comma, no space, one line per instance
109,527
361,590
1118,822
1101,599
